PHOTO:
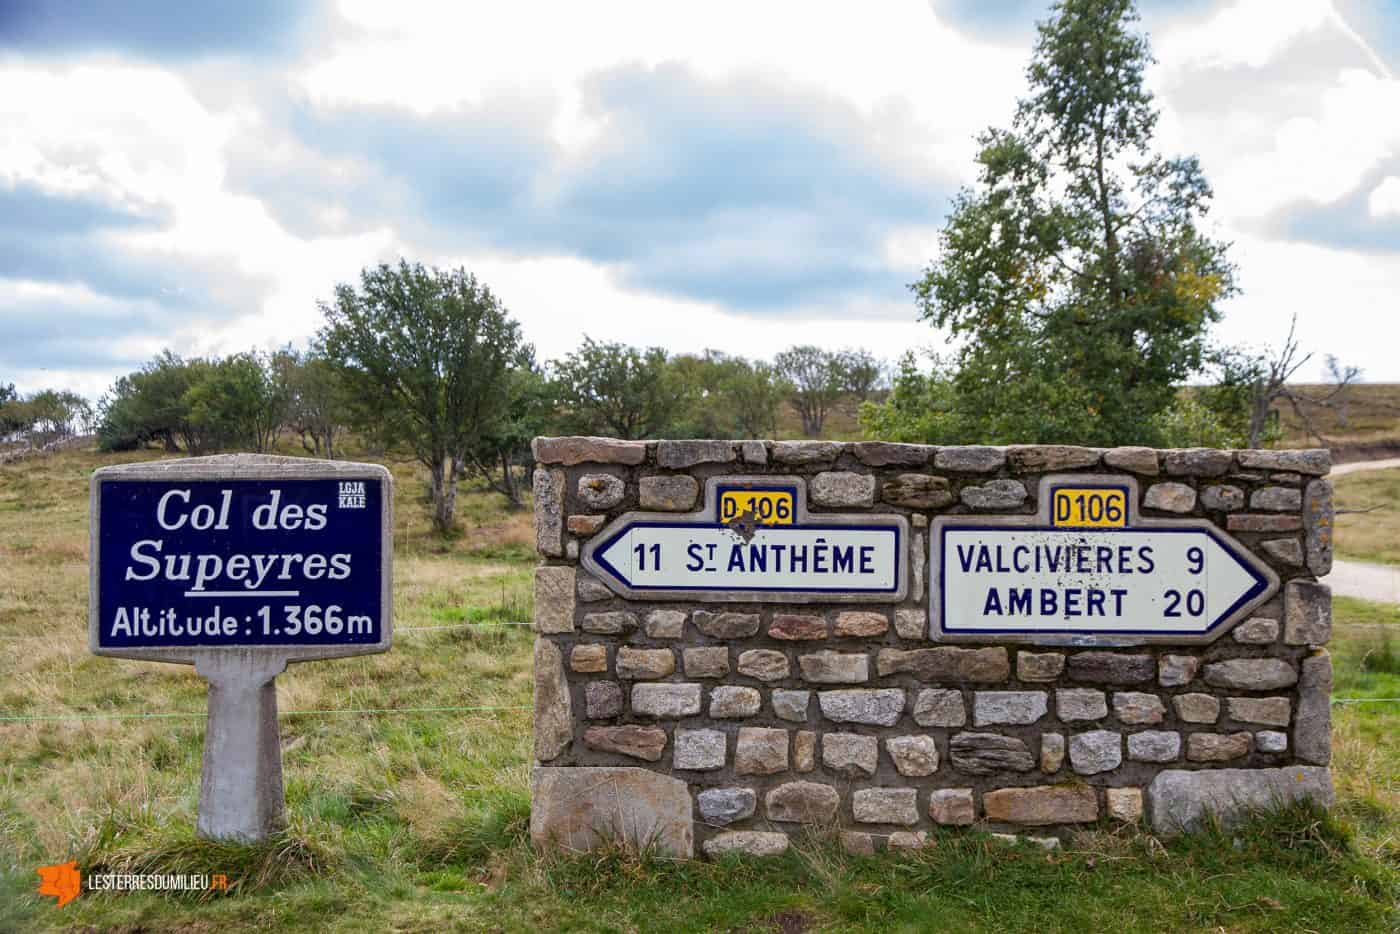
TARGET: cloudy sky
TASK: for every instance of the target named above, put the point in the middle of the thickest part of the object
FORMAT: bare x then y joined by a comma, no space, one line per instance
734,175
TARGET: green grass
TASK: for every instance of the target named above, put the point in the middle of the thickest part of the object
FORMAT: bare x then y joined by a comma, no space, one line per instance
419,821
1373,535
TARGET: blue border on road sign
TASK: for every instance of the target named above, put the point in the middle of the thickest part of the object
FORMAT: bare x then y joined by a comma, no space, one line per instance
600,552
1260,583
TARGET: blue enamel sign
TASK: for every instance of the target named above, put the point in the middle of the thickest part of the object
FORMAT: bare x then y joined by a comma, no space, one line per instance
279,562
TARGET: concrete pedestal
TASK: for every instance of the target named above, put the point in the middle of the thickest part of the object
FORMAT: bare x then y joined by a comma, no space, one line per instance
240,791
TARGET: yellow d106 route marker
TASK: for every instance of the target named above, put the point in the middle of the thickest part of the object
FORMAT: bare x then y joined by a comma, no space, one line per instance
1078,507
765,507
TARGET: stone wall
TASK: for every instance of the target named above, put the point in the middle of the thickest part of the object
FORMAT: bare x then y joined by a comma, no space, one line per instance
711,726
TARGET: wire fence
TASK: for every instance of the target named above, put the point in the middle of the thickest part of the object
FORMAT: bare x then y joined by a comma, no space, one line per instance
200,714
446,626
8,717
397,629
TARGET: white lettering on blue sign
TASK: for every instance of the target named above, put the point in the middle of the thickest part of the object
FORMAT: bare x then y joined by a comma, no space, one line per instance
239,562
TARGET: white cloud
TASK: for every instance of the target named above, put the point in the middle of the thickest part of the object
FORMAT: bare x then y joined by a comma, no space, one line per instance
1346,303
428,57
1284,102
1247,32
1385,197
560,299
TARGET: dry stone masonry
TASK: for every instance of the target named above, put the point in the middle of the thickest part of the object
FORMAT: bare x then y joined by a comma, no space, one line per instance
713,722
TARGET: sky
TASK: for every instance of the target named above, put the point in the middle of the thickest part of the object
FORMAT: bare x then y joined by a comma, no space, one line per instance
735,175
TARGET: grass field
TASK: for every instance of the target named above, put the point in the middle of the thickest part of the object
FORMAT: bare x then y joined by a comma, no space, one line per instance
1367,413
417,820
1369,420
1373,535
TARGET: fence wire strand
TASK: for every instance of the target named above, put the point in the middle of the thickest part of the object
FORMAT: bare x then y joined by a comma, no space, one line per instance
182,714
388,711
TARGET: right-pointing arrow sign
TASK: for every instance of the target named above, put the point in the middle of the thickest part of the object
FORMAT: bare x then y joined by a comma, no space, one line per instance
1167,581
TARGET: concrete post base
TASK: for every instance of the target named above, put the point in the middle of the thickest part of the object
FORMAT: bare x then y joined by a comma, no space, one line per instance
240,791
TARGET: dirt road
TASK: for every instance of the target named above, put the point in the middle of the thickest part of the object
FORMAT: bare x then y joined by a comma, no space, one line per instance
1378,582
1358,466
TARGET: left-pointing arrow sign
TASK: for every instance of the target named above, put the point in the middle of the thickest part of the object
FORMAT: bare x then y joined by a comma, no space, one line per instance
833,558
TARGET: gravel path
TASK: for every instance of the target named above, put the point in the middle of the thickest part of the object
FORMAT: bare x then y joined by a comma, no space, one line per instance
1358,466
1377,582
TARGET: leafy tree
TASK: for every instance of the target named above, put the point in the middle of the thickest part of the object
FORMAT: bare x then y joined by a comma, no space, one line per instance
45,415
753,390
816,378
239,401
8,411
118,427
428,352
614,389
150,405
919,408
1075,268
164,387
728,396
317,403
14,415
861,372
701,378
1192,422
58,413
505,440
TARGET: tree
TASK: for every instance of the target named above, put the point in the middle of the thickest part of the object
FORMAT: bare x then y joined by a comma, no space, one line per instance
1075,268
816,378
753,390
614,389
57,413
43,416
239,401
429,352
9,412
317,407
919,407
861,372
505,440
728,396
15,416
1263,381
151,405
702,378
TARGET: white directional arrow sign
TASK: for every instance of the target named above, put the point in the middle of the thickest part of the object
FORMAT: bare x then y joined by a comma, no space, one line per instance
772,550
1025,578
660,556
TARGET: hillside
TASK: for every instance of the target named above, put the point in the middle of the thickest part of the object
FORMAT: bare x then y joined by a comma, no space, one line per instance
1365,424
407,782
